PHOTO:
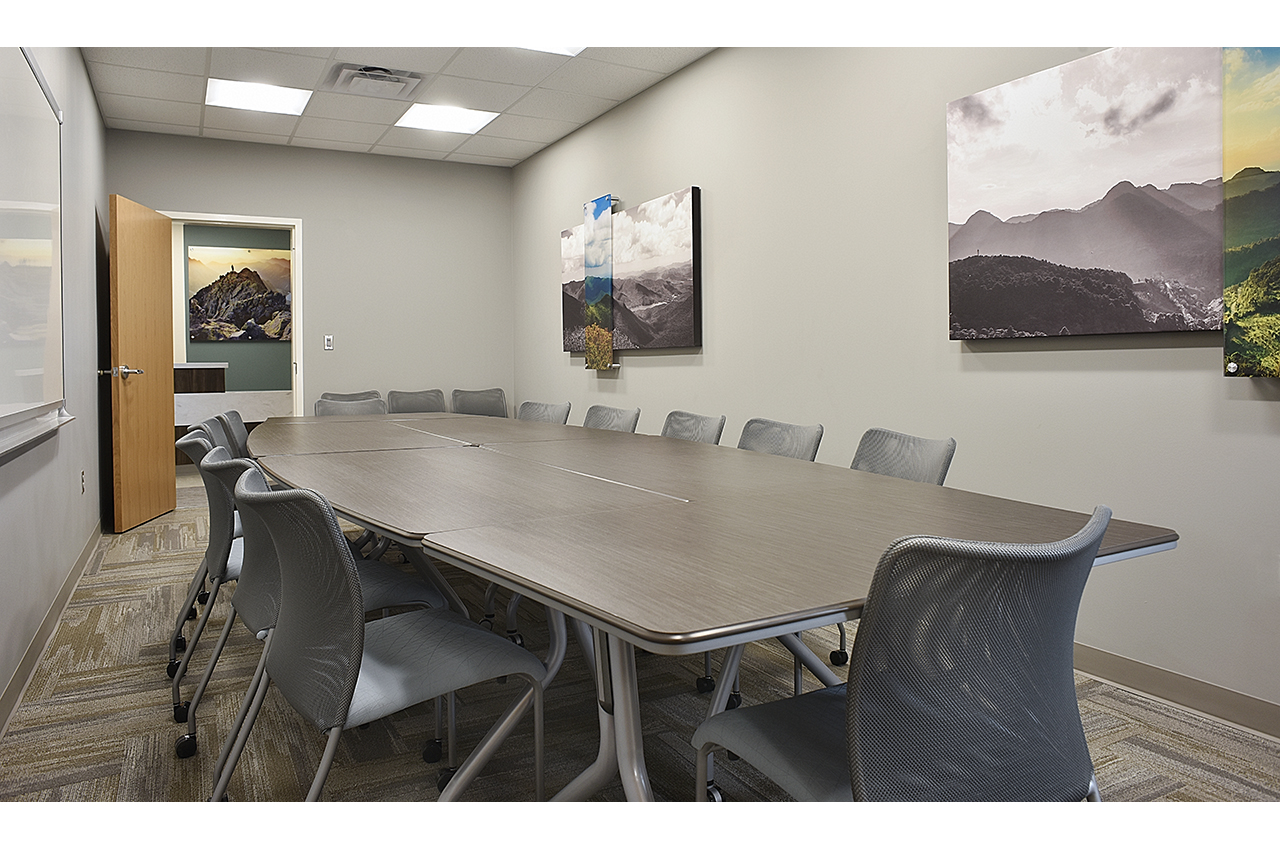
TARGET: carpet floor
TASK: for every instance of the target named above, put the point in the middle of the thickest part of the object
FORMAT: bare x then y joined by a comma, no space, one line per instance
95,722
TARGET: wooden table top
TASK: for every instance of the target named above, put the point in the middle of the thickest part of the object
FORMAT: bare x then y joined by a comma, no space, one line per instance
676,546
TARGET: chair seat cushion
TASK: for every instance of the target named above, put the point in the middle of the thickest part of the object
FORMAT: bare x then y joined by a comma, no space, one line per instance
418,655
798,742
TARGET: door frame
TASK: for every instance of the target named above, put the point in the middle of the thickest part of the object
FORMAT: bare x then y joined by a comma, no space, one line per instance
296,289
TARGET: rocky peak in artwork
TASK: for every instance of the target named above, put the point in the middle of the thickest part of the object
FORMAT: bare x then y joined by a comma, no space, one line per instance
240,306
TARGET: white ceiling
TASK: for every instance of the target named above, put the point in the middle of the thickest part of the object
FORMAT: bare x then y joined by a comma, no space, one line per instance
541,97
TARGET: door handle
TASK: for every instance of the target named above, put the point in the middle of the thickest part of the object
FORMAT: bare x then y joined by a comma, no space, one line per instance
122,371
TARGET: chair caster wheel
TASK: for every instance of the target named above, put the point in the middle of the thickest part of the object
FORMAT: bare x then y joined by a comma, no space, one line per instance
180,711
706,684
714,794
839,657
202,597
433,752
735,700
180,644
172,669
487,622
516,638
191,613
186,746
445,775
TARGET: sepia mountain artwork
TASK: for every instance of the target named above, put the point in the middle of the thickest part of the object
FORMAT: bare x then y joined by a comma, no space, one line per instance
1088,199
249,303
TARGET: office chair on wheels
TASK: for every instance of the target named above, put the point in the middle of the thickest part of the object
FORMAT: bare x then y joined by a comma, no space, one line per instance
961,685
337,670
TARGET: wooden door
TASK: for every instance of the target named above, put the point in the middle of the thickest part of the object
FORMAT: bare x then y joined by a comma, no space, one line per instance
141,308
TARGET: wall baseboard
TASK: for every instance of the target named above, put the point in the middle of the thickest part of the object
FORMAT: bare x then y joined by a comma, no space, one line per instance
1231,706
12,695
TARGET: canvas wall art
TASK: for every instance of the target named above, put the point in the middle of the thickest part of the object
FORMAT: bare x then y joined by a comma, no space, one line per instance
1251,255
1087,199
657,272
239,294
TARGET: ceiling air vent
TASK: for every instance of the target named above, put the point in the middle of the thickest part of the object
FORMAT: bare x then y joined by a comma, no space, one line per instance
374,81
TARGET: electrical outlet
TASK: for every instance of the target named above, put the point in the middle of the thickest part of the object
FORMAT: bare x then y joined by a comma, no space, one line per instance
328,342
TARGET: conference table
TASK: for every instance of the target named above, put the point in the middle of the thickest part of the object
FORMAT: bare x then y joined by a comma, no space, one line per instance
642,541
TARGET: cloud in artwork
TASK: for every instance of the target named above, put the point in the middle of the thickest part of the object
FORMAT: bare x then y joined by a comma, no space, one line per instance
1116,123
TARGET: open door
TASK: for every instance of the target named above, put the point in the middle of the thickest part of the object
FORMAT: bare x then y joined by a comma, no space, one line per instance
141,367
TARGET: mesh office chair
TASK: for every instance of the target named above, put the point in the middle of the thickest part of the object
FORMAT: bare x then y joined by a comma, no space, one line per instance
491,402
361,407
416,401
216,431
339,671
960,687
237,434
363,395
904,456
222,562
899,456
542,411
693,427
781,438
256,600
605,418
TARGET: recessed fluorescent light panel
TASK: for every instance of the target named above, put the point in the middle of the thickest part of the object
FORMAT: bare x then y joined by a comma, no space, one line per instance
450,119
258,97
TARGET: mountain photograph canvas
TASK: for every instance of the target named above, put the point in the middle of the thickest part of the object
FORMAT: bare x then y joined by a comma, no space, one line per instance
1088,198
657,293
1251,154
239,294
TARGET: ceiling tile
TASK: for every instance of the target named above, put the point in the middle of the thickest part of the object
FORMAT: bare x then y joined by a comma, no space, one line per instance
149,109
339,131
242,136
543,130
175,60
349,107
504,65
328,145
391,150
600,79
561,106
471,159
153,127
144,82
491,146
252,65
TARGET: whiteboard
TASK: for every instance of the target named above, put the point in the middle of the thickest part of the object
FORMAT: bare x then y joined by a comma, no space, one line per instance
31,381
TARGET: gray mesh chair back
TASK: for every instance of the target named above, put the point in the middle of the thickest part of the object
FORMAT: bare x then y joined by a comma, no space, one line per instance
541,411
237,433
693,427
363,395
960,687
217,434
607,418
257,597
491,402
904,456
360,407
781,438
961,684
416,401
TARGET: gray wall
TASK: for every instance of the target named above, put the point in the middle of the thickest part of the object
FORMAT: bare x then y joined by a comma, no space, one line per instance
406,262
45,520
824,190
